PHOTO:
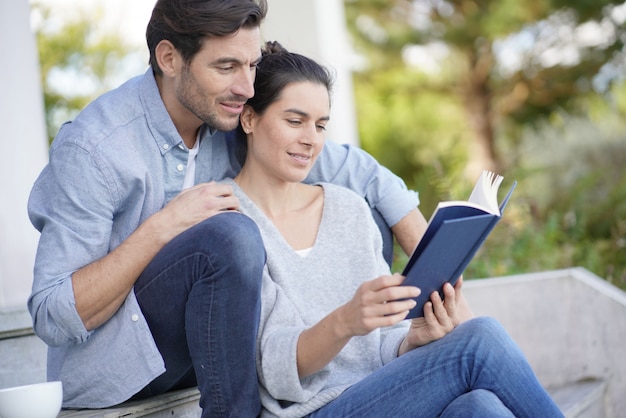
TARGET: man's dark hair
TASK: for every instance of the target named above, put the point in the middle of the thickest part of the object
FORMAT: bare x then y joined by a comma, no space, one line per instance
188,23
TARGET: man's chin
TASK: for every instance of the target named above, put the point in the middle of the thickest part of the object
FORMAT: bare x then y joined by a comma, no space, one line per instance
224,124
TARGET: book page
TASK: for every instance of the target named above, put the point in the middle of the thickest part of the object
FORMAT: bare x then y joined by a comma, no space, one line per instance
485,192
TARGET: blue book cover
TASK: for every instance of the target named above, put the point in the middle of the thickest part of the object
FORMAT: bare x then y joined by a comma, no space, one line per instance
454,234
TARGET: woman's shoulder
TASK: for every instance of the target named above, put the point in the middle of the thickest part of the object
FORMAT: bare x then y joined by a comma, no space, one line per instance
340,192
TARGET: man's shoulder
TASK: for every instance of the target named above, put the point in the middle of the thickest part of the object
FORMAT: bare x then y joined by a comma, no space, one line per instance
113,113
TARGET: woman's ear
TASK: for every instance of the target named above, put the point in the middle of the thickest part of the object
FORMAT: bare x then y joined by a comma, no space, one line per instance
167,57
246,118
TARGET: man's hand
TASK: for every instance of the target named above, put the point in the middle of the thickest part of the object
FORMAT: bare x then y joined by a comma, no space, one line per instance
194,205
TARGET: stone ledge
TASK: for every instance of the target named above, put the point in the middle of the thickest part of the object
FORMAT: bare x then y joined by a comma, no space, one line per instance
180,404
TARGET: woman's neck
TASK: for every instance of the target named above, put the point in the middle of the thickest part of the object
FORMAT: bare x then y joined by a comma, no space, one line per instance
274,197
295,209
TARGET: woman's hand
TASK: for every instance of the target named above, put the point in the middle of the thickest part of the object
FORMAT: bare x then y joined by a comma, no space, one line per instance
440,317
377,303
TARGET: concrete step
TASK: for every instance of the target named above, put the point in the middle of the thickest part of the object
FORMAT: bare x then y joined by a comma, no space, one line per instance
584,399
22,354
577,400
23,358
180,404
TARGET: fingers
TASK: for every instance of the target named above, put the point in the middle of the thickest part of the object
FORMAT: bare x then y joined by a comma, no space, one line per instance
389,288
441,313
213,197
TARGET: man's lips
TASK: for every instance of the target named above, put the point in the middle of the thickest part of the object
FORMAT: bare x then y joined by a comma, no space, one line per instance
233,107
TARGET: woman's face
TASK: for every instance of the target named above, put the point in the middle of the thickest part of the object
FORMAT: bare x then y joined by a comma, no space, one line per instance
284,142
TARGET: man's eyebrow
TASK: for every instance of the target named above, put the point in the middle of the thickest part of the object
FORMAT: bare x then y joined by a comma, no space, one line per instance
233,60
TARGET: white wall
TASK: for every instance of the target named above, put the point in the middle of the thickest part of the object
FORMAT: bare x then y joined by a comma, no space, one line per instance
312,27
316,28
24,150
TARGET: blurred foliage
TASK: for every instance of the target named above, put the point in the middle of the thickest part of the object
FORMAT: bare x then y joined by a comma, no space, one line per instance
75,48
554,120
557,128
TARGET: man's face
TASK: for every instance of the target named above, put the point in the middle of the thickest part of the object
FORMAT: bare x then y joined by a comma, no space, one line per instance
220,78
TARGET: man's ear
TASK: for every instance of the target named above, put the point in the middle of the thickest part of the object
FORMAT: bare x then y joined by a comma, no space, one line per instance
167,57
246,118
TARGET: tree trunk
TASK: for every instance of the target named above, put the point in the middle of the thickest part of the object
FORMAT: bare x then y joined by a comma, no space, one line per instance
482,154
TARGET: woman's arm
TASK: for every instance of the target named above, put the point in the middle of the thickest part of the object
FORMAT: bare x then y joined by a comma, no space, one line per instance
377,303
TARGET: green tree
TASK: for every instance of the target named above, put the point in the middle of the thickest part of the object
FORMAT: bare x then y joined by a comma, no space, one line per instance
534,89
74,49
563,50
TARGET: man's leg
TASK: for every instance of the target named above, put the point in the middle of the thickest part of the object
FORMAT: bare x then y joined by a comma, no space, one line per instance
201,298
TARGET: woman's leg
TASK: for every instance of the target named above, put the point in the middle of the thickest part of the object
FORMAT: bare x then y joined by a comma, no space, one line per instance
201,298
478,354
478,403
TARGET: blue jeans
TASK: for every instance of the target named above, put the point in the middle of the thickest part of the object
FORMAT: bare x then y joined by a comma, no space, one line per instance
475,371
201,298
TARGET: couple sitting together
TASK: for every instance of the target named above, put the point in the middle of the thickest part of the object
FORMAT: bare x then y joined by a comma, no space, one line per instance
196,230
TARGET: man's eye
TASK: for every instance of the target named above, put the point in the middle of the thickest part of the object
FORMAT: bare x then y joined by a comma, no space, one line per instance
294,122
321,127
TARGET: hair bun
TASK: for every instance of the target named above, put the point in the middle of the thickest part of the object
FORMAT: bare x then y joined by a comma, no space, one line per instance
273,47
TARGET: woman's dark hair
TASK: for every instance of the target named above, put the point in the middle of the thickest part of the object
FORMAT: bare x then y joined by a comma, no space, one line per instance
187,23
278,68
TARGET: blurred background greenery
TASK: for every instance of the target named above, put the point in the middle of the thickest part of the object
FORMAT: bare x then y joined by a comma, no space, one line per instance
533,89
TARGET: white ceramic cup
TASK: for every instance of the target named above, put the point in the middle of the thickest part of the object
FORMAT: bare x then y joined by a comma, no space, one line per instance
39,400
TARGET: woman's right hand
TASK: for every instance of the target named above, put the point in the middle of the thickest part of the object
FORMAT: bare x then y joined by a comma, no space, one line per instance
377,303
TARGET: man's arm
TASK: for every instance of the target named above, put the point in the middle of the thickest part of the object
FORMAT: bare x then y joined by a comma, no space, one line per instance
351,167
409,230
101,287
79,283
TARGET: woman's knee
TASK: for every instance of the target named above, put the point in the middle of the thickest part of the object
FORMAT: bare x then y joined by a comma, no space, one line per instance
483,327
488,340
230,235
477,403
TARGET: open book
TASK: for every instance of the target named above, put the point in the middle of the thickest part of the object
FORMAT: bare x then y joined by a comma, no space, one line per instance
455,231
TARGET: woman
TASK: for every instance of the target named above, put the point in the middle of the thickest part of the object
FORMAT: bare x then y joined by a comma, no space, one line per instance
332,339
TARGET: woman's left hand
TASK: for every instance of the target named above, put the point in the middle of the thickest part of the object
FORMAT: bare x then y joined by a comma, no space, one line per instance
440,317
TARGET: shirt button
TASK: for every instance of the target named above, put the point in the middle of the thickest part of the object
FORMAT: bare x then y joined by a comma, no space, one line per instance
180,167
135,317
166,146
181,146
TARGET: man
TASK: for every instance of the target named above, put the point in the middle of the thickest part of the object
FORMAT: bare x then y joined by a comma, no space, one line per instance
146,277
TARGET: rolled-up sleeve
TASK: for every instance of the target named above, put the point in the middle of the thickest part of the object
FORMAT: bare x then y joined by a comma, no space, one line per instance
351,167
70,204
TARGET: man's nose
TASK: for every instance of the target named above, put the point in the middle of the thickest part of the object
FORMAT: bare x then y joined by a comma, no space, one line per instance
244,84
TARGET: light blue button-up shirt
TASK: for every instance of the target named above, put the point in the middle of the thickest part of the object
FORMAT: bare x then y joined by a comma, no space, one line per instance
120,161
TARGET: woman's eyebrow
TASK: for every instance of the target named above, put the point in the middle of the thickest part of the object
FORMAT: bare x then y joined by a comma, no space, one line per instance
303,113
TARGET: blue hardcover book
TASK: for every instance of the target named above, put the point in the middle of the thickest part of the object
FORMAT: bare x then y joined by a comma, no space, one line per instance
454,234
